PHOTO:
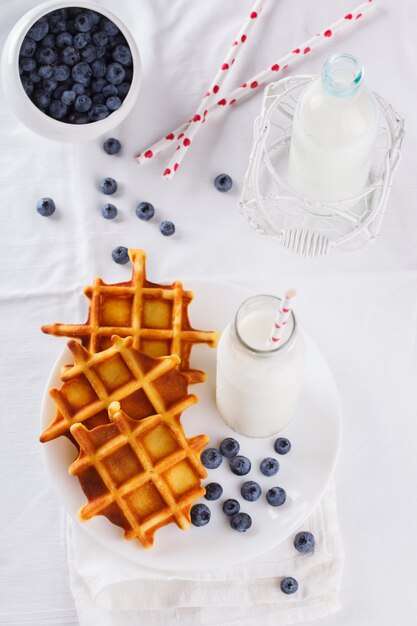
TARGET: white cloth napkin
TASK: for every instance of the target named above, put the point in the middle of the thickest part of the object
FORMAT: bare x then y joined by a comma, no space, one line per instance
111,591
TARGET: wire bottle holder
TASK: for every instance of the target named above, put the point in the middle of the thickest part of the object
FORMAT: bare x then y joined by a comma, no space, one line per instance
272,207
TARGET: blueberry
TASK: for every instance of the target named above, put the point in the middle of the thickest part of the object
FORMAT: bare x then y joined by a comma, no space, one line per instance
241,522
120,255
82,103
81,40
100,38
57,23
223,182
39,30
61,73
48,41
94,17
89,53
200,515
109,211
27,64
64,39
34,77
240,465
49,84
289,585
46,71
78,89
45,207
68,97
108,186
41,98
82,22
98,98
145,211
251,491
231,507
123,89
108,26
57,109
46,56
122,55
59,91
115,73
98,68
269,466
28,47
27,85
229,447
167,228
282,445
110,90
97,85
214,491
112,146
304,541
101,51
98,112
211,458
81,73
70,55
113,103
276,496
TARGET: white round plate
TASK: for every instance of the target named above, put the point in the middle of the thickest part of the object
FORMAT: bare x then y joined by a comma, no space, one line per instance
304,473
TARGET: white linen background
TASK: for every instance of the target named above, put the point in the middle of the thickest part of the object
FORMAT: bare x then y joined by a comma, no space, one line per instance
360,308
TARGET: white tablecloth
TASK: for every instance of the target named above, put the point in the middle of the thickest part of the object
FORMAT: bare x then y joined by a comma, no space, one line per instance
361,308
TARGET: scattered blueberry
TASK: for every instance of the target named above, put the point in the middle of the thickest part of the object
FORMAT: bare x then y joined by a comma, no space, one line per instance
211,458
167,228
45,207
120,255
241,522
269,466
289,585
109,211
200,515
229,447
145,211
276,496
112,146
108,186
304,541
223,182
214,491
251,491
240,465
231,507
282,445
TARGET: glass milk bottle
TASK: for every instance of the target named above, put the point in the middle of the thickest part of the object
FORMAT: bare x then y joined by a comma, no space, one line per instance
333,135
257,385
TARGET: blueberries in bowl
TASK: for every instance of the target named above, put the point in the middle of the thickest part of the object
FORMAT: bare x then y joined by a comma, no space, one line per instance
86,54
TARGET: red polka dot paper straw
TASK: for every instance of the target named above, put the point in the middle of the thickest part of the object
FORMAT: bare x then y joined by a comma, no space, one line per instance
282,318
251,86
211,94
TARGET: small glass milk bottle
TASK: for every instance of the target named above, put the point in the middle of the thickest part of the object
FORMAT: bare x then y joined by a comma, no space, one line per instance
333,135
257,385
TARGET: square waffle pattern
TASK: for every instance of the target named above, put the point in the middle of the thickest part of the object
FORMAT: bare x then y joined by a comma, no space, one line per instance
143,385
140,475
156,316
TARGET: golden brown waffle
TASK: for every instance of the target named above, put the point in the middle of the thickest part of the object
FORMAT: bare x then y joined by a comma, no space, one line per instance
140,475
156,316
143,385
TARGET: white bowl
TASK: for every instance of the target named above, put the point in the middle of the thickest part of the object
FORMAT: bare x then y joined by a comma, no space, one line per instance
23,107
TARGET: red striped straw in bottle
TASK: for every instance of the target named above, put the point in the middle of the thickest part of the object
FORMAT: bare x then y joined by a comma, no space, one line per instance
282,318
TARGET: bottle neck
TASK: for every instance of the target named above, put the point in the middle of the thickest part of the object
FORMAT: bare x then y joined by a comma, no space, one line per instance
342,76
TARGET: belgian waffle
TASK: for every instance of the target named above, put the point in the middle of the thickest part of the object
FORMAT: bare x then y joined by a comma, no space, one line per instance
156,316
140,475
143,385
